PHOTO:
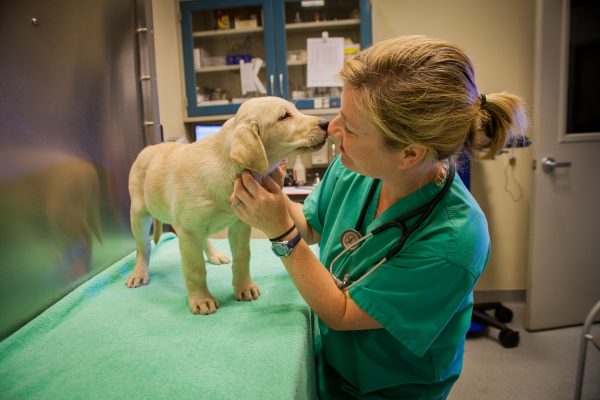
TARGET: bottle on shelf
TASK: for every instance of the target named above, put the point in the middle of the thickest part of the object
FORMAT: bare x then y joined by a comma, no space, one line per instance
317,179
299,171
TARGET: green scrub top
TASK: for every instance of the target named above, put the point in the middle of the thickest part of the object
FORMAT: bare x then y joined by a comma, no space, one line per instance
422,297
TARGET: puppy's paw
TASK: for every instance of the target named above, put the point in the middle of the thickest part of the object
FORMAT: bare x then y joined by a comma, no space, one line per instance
246,292
137,279
203,304
218,258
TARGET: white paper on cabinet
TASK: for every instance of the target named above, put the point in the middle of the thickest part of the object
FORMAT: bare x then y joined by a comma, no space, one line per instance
325,59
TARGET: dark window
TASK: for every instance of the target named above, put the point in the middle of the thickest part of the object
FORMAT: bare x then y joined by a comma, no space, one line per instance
583,108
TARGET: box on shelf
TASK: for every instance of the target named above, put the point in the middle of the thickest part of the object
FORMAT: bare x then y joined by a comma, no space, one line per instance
245,23
234,59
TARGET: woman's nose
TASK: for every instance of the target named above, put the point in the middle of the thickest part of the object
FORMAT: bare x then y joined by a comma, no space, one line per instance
333,129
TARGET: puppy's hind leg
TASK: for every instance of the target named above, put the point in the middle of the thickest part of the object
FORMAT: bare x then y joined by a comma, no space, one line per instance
214,255
200,300
140,227
239,241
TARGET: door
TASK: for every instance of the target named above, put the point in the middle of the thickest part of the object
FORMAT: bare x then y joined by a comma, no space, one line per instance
564,270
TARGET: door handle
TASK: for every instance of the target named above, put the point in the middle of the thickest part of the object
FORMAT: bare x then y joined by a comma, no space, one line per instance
549,164
272,78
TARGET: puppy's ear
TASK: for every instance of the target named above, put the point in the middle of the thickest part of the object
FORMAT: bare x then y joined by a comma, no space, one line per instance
247,148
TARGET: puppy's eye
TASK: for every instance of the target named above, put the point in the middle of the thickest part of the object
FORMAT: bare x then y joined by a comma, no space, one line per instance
285,116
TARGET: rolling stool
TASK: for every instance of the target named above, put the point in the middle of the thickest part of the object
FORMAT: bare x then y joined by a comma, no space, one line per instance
481,320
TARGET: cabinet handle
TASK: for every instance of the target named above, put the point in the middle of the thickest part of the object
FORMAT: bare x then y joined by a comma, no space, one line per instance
272,78
281,85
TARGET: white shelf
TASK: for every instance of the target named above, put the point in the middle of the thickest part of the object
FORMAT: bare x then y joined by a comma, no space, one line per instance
224,117
338,23
296,63
221,68
227,32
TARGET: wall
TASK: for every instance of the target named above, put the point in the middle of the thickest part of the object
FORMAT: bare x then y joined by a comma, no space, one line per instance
169,67
499,38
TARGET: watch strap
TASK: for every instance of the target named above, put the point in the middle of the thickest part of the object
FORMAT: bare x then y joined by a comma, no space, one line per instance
284,248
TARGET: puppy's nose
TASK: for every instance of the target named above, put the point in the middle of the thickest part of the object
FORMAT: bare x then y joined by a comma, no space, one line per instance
323,125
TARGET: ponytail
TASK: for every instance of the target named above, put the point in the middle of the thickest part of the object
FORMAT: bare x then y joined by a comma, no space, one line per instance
501,116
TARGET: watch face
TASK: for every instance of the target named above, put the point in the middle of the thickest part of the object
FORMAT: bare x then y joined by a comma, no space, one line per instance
280,249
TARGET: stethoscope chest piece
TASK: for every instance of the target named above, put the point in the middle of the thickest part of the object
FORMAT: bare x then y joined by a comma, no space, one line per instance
351,240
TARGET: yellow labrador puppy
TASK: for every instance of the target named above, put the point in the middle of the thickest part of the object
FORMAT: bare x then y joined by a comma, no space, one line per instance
189,185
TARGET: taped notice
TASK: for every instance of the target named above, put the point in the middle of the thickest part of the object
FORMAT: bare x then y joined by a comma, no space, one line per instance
325,60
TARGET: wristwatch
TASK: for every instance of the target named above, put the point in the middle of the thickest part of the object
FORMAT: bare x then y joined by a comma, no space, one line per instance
284,248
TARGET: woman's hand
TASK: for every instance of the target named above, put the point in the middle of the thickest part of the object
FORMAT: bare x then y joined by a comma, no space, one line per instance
279,173
263,207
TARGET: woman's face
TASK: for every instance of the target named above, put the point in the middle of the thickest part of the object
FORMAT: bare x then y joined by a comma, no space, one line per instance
362,147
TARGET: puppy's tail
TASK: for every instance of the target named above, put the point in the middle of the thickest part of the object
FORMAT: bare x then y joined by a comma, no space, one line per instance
157,228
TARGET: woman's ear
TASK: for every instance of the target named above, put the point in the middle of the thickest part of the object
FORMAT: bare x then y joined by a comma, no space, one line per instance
412,155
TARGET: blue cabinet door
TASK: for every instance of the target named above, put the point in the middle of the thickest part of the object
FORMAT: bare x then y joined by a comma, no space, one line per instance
294,23
282,27
215,35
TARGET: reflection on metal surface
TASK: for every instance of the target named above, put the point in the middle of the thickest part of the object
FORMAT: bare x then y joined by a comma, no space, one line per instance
70,128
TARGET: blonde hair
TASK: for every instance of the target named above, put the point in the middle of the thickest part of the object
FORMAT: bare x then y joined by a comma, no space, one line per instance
420,90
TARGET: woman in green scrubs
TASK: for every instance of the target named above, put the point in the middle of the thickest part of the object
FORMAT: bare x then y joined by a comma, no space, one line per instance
397,329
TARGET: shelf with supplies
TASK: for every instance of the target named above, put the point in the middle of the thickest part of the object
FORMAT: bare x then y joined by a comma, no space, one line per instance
325,112
270,36
219,68
323,24
227,32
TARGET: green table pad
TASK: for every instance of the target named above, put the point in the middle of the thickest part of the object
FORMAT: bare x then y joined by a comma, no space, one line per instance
105,341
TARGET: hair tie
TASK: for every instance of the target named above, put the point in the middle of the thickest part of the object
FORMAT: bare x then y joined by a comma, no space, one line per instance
483,100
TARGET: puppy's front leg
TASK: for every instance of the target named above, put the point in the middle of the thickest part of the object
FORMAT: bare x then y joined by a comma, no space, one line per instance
239,242
200,300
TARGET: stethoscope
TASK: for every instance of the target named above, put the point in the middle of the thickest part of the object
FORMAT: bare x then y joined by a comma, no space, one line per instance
352,238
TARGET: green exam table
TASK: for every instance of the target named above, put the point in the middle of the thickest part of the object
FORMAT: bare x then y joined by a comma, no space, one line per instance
105,341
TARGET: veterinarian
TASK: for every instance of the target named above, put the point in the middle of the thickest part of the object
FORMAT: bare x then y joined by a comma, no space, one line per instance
394,309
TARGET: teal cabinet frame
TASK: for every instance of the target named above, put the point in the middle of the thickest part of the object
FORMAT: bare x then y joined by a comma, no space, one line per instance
275,46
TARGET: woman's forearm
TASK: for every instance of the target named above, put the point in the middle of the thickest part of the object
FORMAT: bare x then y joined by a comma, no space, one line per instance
333,306
297,214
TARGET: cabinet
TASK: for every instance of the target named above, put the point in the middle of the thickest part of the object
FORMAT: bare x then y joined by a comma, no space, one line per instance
217,34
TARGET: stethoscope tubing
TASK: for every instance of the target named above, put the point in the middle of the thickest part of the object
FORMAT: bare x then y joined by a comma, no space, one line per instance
425,211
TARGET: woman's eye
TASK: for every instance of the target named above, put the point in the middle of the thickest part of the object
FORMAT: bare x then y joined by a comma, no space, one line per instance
285,116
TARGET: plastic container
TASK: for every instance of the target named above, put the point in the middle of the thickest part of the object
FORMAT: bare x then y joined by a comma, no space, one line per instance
299,172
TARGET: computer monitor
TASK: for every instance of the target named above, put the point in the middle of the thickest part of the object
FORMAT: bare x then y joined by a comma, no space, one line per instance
202,131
